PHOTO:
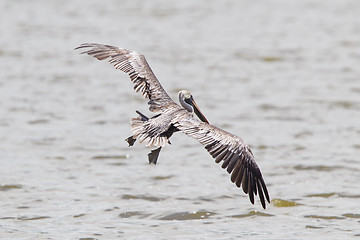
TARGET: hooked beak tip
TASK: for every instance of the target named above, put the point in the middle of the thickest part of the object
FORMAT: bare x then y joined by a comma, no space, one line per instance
198,112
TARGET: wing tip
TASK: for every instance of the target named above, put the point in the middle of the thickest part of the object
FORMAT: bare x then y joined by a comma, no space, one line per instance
85,45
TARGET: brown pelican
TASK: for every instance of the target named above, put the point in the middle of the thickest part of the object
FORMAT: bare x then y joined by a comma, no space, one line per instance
156,131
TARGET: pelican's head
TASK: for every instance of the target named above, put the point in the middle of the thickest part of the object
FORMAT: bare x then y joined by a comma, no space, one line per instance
187,101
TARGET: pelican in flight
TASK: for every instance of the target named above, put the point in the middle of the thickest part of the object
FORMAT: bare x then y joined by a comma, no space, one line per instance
171,117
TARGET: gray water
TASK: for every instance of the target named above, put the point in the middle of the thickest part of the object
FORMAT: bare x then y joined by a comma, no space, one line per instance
283,75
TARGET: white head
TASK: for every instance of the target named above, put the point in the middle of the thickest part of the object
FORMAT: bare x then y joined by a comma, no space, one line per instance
185,94
187,101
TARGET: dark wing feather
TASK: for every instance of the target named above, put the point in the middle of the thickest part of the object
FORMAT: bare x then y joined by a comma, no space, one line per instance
136,66
236,156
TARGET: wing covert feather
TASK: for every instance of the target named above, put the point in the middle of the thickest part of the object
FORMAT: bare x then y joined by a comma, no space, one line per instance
136,66
233,151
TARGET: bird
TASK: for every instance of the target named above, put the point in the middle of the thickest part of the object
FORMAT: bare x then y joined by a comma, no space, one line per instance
170,117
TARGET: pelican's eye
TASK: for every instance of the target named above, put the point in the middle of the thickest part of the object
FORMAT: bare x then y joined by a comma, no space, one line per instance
188,101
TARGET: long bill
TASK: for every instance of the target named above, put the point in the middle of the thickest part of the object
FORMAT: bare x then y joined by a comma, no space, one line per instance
197,110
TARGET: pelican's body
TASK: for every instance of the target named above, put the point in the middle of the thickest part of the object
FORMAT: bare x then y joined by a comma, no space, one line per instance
171,117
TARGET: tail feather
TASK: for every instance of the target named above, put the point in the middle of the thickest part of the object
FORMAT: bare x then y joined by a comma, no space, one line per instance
141,132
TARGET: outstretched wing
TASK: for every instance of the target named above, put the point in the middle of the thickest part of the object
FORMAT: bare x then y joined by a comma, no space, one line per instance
236,156
136,66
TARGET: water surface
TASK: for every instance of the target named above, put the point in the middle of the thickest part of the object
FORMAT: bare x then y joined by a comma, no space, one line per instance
283,75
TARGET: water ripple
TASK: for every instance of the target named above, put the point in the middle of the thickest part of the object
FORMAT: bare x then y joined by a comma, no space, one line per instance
136,214
25,218
351,215
322,168
323,217
142,197
103,157
331,194
284,203
6,187
188,215
159,178
251,214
